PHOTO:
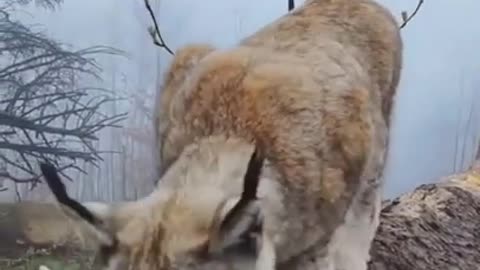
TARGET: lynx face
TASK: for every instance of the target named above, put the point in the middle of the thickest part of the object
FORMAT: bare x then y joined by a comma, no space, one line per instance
175,229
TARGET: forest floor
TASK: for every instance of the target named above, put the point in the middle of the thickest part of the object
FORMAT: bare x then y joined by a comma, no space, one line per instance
28,233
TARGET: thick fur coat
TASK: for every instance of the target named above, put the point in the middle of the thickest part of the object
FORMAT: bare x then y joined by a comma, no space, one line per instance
316,88
312,93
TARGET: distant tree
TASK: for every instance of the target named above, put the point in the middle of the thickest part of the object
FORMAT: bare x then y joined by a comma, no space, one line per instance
45,112
50,4
477,156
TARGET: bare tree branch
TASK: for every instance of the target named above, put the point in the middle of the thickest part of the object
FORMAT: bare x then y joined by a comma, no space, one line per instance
43,113
155,32
406,19
58,152
29,180
14,121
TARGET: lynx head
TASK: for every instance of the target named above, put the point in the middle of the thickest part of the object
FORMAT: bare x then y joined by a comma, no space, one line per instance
174,228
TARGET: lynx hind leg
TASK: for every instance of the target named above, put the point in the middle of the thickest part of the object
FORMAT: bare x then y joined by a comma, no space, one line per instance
352,241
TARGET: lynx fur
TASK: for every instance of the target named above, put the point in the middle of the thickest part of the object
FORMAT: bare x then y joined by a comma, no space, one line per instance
271,153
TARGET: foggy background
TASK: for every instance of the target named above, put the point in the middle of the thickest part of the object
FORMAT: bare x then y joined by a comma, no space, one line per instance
436,125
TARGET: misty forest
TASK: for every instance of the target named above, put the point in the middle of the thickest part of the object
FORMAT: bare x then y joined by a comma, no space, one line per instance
78,83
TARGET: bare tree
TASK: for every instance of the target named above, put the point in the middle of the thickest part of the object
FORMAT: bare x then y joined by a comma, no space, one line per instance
44,113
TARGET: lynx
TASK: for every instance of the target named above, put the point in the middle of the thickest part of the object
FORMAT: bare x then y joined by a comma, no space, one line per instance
271,152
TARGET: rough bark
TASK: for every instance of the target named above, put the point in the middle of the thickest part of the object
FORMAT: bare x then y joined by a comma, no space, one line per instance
435,227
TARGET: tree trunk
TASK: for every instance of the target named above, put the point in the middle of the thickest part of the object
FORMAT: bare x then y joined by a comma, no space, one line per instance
477,157
435,227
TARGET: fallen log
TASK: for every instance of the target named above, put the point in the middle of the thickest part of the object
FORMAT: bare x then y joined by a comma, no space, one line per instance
434,227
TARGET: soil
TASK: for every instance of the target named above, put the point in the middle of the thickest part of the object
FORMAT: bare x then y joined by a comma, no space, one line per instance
33,234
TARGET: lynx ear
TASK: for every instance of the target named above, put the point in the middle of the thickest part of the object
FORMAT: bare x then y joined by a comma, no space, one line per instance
91,217
245,217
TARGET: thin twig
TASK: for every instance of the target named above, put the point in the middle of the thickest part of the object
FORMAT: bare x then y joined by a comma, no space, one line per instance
19,122
7,175
406,18
161,43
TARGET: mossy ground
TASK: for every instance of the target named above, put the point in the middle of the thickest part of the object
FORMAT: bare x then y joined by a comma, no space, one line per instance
32,259
17,254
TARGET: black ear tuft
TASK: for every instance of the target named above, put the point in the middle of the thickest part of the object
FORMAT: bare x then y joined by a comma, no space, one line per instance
252,176
60,192
249,193
53,180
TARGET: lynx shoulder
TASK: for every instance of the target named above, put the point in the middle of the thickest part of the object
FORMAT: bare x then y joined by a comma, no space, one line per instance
271,152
